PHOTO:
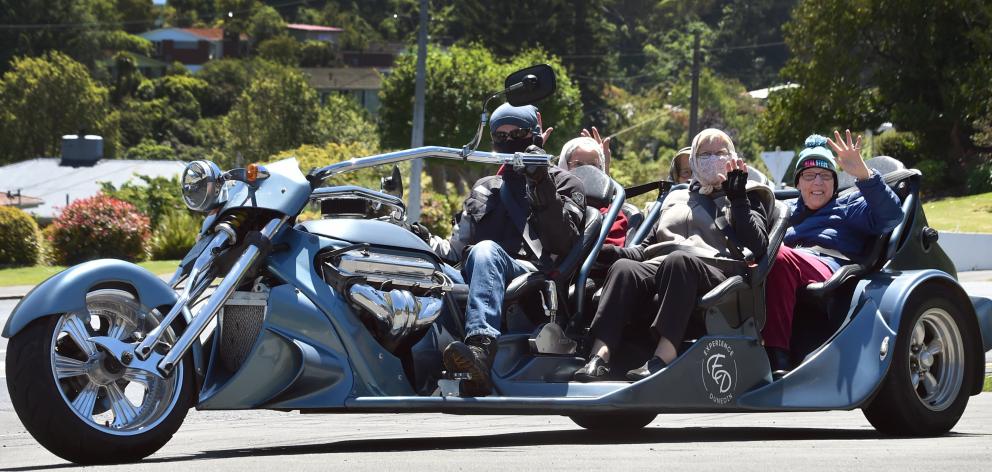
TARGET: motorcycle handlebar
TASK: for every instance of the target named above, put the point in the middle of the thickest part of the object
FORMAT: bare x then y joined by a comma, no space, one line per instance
437,152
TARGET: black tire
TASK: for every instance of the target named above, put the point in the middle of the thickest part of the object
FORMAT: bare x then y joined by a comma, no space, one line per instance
614,421
43,410
899,408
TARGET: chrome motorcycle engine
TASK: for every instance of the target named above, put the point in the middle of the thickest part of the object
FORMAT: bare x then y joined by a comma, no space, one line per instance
398,294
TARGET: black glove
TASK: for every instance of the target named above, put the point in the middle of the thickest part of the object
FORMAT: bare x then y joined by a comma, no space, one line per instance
608,254
735,185
421,231
534,174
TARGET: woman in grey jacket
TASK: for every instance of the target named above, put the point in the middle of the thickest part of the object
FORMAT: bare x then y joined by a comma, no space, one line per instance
686,256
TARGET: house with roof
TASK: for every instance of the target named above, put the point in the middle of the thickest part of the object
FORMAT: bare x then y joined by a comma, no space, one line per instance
43,186
301,32
362,84
194,47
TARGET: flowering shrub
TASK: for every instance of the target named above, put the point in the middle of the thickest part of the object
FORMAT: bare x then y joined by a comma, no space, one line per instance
18,238
98,227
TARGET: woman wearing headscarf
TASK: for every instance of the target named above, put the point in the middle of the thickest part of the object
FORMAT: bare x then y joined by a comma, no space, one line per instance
684,257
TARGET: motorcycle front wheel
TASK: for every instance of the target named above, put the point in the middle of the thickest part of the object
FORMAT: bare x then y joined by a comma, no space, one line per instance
83,405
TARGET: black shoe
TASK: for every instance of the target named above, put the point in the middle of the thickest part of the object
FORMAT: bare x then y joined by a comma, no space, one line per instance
653,365
780,361
475,358
595,370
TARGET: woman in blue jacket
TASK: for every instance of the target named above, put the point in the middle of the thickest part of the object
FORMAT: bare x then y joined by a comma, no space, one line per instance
825,231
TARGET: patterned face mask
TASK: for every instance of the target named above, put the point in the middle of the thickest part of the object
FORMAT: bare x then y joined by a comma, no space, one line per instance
707,171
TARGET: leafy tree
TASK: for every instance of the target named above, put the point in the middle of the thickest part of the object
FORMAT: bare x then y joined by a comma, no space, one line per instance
227,79
152,196
276,112
187,13
318,54
924,65
458,82
265,23
343,120
579,32
42,99
281,50
136,15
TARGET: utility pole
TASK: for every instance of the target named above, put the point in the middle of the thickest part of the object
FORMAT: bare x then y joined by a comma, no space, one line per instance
417,137
694,101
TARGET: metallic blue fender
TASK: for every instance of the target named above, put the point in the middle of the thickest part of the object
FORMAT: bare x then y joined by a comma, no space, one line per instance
66,292
983,309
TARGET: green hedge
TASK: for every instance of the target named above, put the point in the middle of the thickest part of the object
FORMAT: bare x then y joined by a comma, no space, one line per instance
19,244
98,227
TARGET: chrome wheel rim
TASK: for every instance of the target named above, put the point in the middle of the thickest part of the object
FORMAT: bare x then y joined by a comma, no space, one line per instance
106,395
936,359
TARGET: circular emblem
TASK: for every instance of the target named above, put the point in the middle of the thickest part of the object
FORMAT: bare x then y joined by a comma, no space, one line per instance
719,371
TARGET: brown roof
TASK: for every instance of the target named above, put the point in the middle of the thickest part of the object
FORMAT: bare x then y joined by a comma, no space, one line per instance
344,78
211,34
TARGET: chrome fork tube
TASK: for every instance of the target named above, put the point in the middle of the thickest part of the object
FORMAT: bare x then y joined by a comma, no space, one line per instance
213,305
194,287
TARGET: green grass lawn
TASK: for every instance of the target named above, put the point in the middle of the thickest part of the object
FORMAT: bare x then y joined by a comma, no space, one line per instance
988,384
971,214
36,274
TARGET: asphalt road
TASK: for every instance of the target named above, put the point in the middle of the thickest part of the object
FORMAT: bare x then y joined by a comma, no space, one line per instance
261,440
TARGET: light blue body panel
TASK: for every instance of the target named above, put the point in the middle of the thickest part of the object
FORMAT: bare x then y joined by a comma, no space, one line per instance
66,292
314,352
285,191
298,361
366,231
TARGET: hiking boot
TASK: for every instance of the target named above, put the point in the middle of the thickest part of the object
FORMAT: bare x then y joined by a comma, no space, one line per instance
475,358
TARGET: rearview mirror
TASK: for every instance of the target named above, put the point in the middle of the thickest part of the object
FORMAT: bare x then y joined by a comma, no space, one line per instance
530,85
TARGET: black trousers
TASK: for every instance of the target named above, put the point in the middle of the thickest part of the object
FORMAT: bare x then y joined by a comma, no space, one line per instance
630,288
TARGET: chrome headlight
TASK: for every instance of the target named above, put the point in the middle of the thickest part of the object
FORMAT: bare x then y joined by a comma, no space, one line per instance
201,185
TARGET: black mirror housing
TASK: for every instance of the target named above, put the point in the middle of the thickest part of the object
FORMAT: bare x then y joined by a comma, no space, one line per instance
530,85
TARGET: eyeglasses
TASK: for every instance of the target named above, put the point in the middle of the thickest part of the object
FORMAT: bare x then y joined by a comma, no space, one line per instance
518,133
710,155
811,176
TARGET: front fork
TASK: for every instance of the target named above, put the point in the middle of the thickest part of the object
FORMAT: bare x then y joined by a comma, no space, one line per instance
143,357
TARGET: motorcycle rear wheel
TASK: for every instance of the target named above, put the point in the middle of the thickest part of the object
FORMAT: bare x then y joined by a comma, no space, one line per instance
84,406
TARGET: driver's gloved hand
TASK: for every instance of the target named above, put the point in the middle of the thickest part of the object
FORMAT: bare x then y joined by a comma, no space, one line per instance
735,185
421,231
534,174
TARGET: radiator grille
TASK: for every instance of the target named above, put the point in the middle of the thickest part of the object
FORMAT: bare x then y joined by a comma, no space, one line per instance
240,323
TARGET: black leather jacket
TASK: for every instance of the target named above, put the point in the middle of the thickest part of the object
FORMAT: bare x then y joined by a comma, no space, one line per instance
555,210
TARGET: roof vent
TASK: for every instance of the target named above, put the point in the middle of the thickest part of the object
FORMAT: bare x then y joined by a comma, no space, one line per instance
81,151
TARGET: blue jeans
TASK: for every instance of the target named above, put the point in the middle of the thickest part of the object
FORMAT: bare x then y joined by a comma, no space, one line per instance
488,270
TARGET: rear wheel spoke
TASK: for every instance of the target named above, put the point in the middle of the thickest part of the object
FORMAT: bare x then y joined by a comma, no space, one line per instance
66,367
86,400
124,411
936,347
929,384
80,334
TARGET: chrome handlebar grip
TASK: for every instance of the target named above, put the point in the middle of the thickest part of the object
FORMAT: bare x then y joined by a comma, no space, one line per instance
213,305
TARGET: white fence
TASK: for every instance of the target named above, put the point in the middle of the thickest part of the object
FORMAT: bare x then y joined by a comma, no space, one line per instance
968,251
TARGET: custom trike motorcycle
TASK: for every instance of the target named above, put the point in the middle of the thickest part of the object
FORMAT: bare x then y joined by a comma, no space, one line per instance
350,312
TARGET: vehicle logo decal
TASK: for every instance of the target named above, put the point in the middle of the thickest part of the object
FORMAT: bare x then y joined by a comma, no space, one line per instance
719,371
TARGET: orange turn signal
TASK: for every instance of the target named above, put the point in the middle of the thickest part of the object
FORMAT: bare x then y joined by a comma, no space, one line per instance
252,172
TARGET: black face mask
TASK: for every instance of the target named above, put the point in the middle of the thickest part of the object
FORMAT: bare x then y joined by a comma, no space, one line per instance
513,145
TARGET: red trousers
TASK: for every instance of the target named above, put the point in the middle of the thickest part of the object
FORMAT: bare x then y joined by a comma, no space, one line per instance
791,271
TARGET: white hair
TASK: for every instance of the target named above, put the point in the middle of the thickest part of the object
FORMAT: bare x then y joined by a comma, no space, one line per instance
569,148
